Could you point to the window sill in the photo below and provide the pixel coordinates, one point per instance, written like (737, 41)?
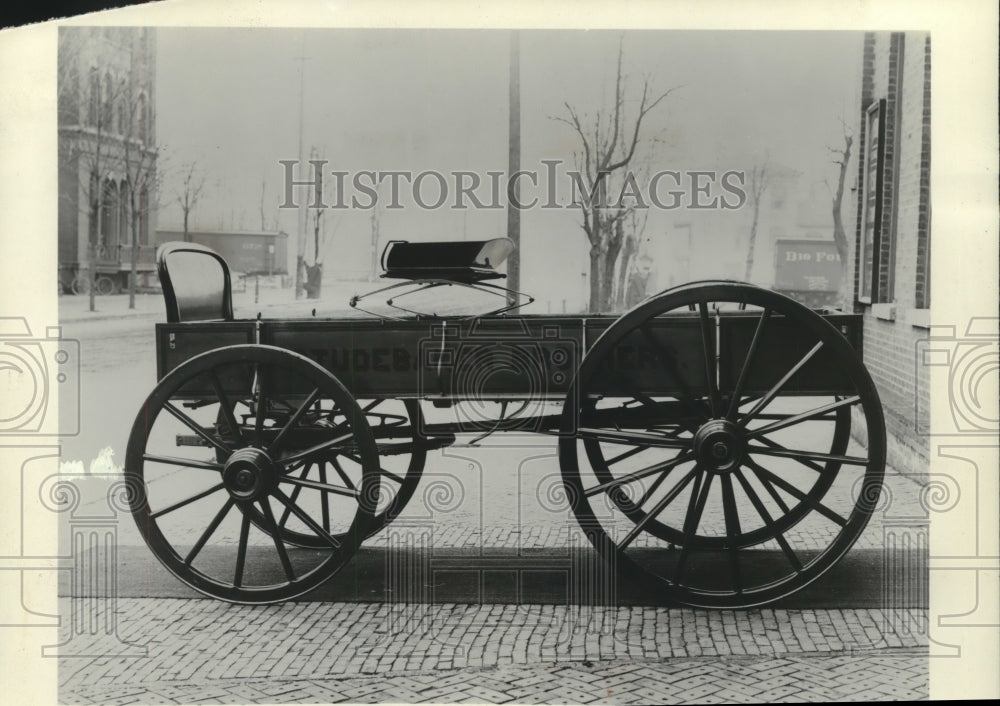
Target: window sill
(885, 311)
(919, 318)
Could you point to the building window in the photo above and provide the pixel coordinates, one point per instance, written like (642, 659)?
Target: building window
(871, 194)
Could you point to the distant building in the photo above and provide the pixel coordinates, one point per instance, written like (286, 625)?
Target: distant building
(107, 155)
(246, 252)
(890, 269)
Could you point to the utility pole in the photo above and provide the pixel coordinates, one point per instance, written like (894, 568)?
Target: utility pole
(513, 167)
(373, 271)
(300, 241)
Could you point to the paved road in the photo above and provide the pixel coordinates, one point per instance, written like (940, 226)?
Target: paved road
(199, 651)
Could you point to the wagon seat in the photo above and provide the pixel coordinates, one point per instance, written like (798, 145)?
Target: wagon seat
(196, 283)
(463, 261)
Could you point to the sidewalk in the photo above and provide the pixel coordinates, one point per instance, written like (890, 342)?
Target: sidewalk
(204, 651)
(271, 301)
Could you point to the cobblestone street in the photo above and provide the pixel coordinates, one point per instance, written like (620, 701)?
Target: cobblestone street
(208, 652)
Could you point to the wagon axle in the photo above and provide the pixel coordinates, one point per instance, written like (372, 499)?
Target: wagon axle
(719, 445)
(249, 474)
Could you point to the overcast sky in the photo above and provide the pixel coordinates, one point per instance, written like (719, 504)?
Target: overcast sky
(437, 100)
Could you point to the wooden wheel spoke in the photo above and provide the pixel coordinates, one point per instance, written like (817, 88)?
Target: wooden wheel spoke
(637, 475)
(275, 533)
(768, 521)
(313, 451)
(340, 472)
(636, 438)
(317, 485)
(732, 518)
(294, 496)
(696, 506)
(292, 421)
(196, 428)
(627, 454)
(778, 386)
(241, 553)
(324, 499)
(801, 496)
(735, 403)
(802, 417)
(184, 462)
(381, 471)
(658, 508)
(652, 489)
(227, 408)
(309, 522)
(805, 462)
(808, 455)
(212, 526)
(715, 402)
(186, 501)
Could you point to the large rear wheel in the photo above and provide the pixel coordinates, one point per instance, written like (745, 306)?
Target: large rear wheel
(711, 455)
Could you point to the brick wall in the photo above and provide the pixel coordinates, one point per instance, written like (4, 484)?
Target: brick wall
(896, 68)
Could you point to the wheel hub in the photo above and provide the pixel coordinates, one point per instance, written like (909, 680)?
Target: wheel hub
(719, 445)
(250, 474)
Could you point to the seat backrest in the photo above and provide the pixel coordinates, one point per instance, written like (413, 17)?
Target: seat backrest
(195, 281)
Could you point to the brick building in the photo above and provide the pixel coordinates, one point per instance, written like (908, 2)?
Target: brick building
(891, 259)
(107, 156)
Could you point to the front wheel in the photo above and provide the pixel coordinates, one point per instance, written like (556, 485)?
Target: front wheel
(210, 511)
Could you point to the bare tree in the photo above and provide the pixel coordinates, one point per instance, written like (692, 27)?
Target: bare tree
(189, 193)
(758, 185)
(625, 281)
(106, 144)
(842, 156)
(138, 162)
(608, 147)
(85, 116)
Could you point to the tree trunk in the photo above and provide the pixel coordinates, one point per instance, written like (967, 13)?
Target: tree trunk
(753, 241)
(596, 278)
(839, 236)
(133, 275)
(624, 271)
(91, 293)
(607, 286)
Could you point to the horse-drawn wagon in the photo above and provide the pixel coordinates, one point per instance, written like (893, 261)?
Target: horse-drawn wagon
(719, 443)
